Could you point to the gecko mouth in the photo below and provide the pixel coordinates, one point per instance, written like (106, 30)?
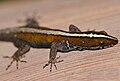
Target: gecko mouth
(103, 47)
(98, 47)
(107, 46)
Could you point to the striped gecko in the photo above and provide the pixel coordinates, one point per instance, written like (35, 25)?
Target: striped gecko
(32, 35)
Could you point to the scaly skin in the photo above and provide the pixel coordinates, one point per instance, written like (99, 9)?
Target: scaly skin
(32, 35)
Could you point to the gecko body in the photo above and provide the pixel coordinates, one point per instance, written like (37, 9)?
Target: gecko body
(34, 36)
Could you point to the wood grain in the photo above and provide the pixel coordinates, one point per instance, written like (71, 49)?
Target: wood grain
(101, 65)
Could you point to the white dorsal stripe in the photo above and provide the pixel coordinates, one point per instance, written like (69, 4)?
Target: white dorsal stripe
(54, 32)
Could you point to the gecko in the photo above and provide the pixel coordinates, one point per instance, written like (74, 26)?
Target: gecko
(32, 35)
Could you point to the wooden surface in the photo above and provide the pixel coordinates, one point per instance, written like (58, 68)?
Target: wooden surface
(101, 65)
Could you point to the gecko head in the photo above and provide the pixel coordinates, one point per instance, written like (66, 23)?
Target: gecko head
(105, 41)
(99, 40)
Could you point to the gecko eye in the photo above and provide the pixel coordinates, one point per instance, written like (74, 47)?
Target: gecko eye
(102, 43)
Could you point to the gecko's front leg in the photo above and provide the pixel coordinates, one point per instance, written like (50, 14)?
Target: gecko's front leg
(52, 57)
(22, 50)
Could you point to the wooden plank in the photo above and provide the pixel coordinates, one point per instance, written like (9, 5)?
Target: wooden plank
(101, 65)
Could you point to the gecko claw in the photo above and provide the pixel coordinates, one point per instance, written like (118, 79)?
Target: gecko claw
(53, 62)
(17, 59)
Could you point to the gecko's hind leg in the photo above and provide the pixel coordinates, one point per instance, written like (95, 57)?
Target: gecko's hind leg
(23, 49)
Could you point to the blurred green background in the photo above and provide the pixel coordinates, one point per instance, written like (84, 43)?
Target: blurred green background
(5, 0)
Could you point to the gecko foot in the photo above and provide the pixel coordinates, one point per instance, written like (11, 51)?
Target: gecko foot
(14, 58)
(53, 62)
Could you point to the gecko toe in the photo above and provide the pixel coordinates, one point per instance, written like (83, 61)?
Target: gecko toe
(14, 58)
(23, 61)
(6, 57)
(53, 62)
